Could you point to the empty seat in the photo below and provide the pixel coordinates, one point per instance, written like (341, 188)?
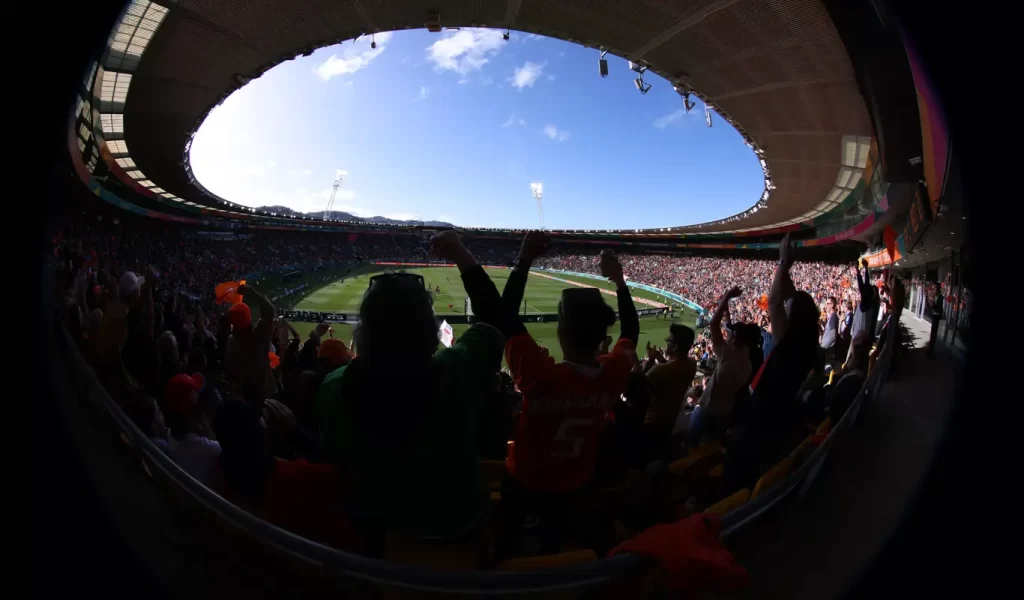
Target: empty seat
(729, 503)
(799, 455)
(695, 455)
(772, 476)
(548, 561)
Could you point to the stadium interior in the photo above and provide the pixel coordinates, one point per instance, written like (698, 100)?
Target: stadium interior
(282, 404)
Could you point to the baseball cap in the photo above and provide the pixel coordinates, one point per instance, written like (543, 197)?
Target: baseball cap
(183, 394)
(129, 284)
(239, 315)
(334, 352)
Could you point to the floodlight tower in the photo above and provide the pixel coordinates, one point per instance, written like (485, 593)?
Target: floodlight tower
(537, 190)
(339, 177)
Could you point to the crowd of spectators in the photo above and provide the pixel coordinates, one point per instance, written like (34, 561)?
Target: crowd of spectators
(360, 446)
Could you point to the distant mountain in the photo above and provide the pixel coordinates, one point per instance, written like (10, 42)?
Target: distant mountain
(344, 216)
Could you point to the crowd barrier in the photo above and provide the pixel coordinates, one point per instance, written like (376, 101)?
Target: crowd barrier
(312, 316)
(640, 286)
(310, 559)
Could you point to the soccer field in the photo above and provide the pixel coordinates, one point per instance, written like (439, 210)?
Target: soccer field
(542, 295)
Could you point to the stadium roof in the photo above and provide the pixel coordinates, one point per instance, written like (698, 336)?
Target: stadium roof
(776, 69)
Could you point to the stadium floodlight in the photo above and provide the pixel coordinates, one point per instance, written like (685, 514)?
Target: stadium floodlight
(537, 191)
(637, 67)
(505, 35)
(707, 114)
(602, 64)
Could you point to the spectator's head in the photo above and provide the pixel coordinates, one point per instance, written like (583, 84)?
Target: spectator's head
(583, 321)
(167, 349)
(831, 304)
(240, 317)
(333, 354)
(188, 408)
(396, 323)
(693, 395)
(128, 288)
(680, 339)
(245, 457)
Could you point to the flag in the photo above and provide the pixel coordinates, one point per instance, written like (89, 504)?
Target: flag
(889, 235)
(445, 334)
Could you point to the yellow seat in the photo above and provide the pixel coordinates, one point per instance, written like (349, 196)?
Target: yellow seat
(825, 426)
(677, 467)
(433, 554)
(729, 503)
(717, 471)
(772, 477)
(800, 453)
(548, 561)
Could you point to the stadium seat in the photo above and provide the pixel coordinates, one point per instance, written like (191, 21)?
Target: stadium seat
(717, 471)
(678, 467)
(435, 555)
(772, 476)
(548, 561)
(800, 453)
(825, 426)
(730, 503)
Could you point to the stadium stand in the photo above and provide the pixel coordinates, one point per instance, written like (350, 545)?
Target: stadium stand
(333, 463)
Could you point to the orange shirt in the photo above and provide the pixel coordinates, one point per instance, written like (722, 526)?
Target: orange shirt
(562, 414)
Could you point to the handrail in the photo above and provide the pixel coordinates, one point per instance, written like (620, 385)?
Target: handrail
(340, 563)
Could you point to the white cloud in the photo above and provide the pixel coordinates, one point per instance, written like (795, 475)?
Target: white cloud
(514, 120)
(424, 92)
(559, 135)
(271, 164)
(551, 77)
(299, 172)
(526, 75)
(465, 50)
(673, 117)
(487, 80)
(462, 81)
(354, 57)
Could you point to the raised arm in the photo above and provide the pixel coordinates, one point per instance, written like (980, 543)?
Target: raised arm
(479, 287)
(716, 319)
(265, 328)
(782, 290)
(534, 244)
(629, 322)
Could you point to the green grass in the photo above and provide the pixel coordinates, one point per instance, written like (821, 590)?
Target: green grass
(541, 296)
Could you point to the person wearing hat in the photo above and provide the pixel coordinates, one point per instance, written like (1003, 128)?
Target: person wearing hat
(246, 356)
(668, 383)
(400, 418)
(553, 454)
(189, 417)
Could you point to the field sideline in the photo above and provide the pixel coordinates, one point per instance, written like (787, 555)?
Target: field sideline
(542, 295)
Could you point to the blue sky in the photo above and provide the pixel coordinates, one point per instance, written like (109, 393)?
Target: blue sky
(455, 126)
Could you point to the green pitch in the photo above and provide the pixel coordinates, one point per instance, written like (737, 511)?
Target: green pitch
(542, 295)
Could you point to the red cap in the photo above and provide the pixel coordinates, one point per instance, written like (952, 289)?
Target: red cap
(183, 394)
(335, 352)
(240, 316)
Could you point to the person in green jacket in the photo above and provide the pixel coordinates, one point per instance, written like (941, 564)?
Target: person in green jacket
(401, 419)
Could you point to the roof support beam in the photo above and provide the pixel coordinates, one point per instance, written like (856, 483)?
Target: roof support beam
(681, 26)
